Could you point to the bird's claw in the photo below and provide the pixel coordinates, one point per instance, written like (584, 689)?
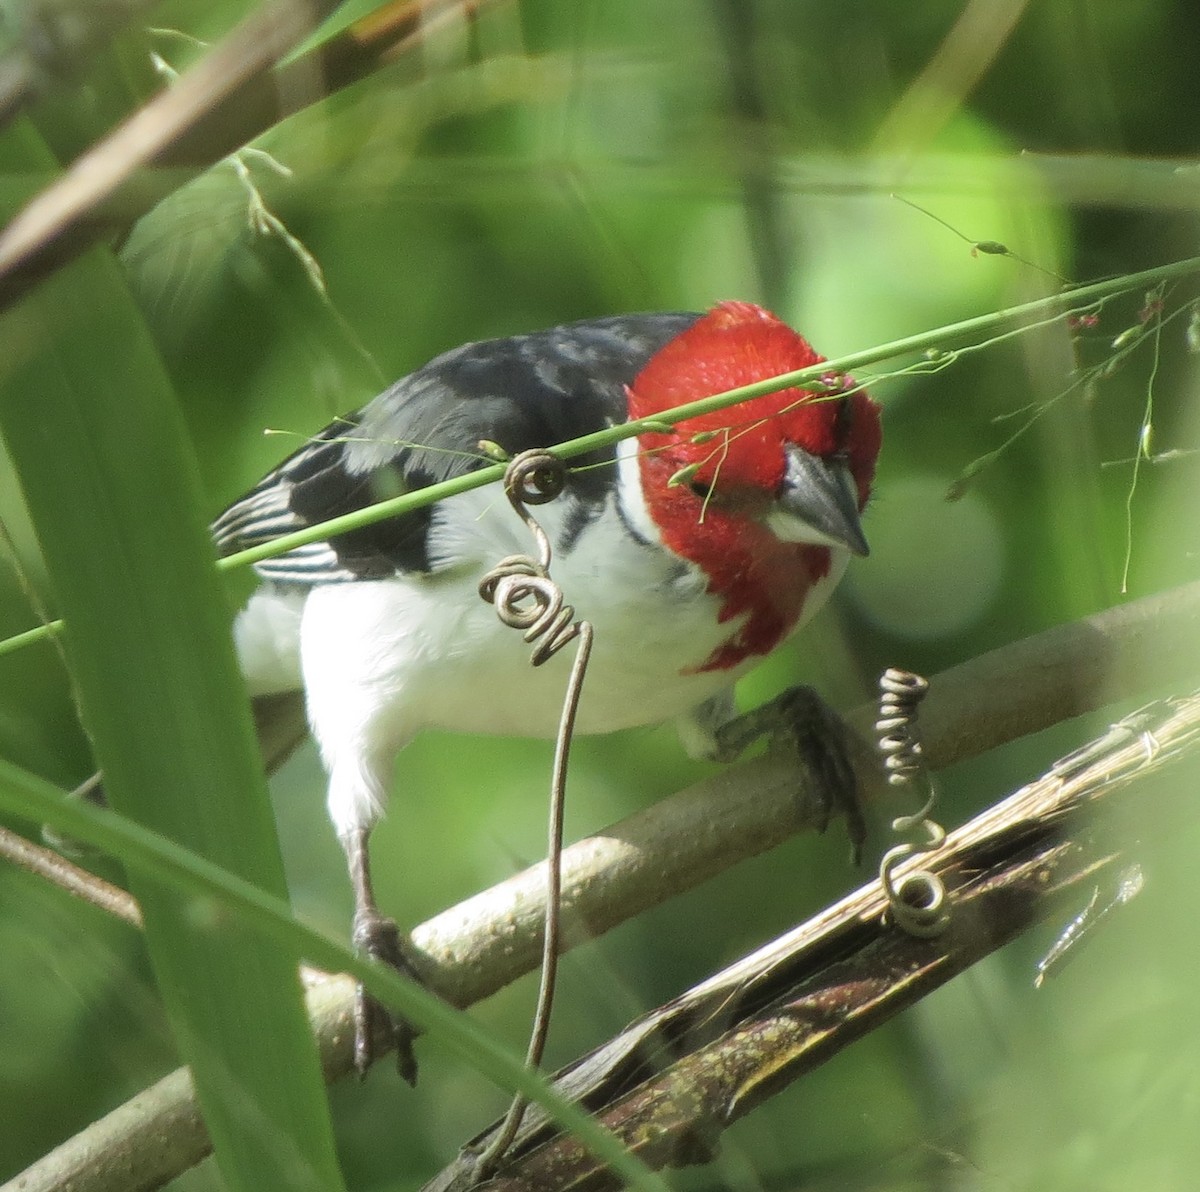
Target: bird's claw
(800, 721)
(375, 1027)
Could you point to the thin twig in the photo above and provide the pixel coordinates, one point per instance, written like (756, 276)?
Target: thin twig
(552, 941)
(527, 597)
(59, 223)
(400, 506)
(58, 871)
(234, 93)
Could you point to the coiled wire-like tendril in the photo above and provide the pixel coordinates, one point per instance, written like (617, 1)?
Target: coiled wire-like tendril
(918, 900)
(527, 598)
(520, 586)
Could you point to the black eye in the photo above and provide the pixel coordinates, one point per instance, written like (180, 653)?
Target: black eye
(701, 488)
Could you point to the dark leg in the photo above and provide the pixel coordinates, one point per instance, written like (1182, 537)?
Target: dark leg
(376, 936)
(800, 720)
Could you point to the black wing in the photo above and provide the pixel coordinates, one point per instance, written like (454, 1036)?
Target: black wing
(521, 392)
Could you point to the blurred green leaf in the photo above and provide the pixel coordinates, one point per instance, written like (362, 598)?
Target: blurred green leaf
(345, 15)
(98, 444)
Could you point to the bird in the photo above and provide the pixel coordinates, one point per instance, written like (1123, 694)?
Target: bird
(694, 551)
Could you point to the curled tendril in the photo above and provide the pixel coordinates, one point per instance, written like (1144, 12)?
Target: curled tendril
(918, 901)
(534, 478)
(900, 694)
(520, 586)
(527, 598)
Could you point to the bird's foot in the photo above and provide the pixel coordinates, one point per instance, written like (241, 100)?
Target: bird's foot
(800, 721)
(376, 1028)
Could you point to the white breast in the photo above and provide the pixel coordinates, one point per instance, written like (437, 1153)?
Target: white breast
(430, 653)
(383, 659)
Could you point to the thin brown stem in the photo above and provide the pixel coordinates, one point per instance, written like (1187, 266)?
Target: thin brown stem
(58, 871)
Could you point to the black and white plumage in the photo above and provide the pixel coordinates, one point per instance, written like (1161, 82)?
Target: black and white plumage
(524, 391)
(686, 585)
(382, 627)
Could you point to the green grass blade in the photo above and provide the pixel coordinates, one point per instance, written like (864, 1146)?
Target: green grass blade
(99, 448)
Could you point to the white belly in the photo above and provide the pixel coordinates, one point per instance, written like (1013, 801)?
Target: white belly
(437, 652)
(425, 651)
(381, 660)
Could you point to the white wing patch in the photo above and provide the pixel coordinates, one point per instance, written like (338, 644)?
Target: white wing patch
(264, 515)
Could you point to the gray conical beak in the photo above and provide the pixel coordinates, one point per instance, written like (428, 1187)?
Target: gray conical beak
(818, 503)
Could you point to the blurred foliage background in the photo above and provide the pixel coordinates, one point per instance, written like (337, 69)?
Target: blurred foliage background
(543, 161)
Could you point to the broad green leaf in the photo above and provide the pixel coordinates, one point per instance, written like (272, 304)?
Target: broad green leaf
(98, 445)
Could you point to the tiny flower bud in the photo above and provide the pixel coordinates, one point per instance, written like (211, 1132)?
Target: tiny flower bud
(493, 451)
(685, 475)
